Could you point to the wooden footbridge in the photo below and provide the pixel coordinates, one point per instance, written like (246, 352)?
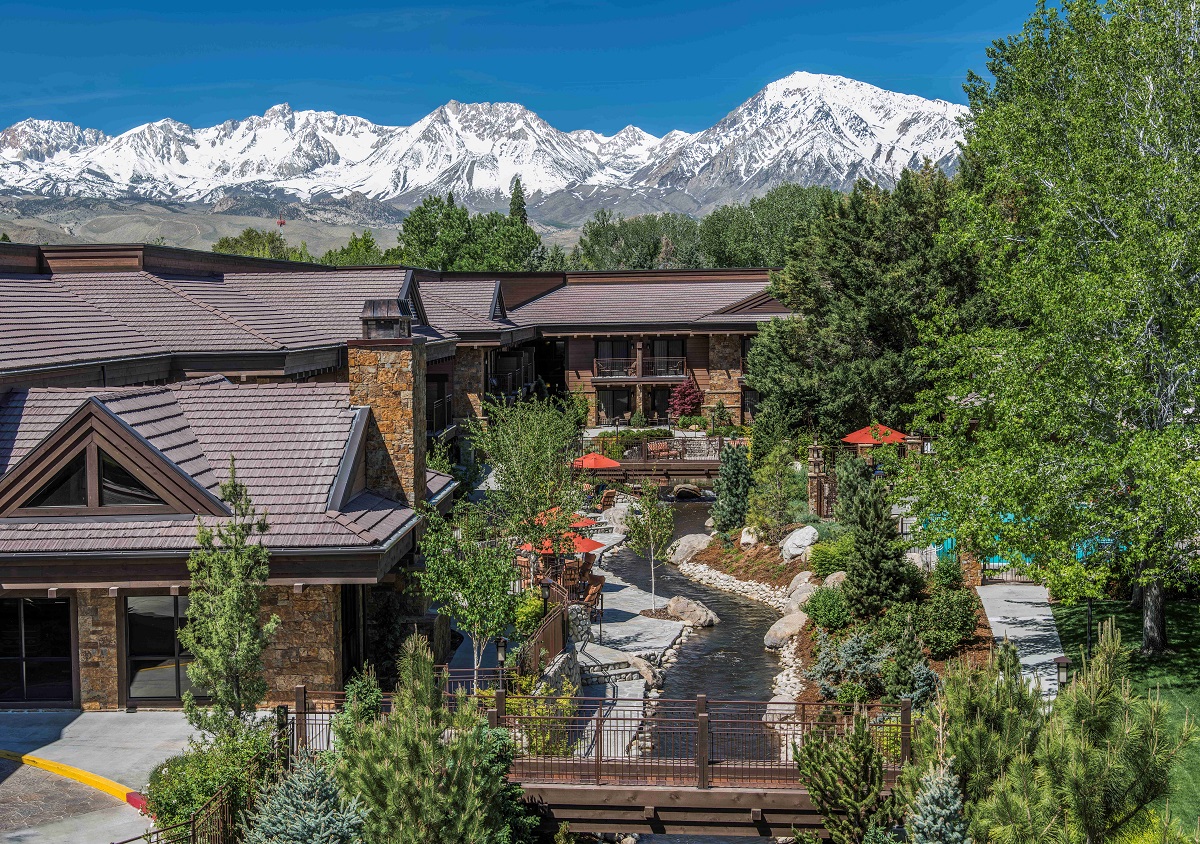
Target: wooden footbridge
(692, 767)
(674, 458)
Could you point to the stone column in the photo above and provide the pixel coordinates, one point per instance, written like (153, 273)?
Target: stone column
(469, 386)
(724, 370)
(389, 377)
(99, 657)
(307, 647)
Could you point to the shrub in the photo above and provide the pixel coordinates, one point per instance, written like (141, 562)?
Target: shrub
(364, 702)
(637, 420)
(529, 613)
(306, 807)
(853, 660)
(906, 673)
(947, 619)
(687, 421)
(946, 574)
(185, 782)
(828, 609)
(852, 692)
(829, 556)
(719, 415)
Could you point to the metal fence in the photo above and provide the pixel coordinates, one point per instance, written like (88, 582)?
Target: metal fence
(655, 450)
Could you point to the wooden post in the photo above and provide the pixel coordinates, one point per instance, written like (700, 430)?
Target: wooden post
(501, 696)
(301, 717)
(905, 730)
(599, 741)
(492, 719)
(702, 772)
(283, 747)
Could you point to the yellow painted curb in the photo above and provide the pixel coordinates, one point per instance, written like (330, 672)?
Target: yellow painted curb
(78, 775)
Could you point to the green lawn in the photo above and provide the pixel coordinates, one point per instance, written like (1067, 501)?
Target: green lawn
(1177, 675)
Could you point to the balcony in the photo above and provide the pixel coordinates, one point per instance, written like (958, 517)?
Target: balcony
(438, 416)
(630, 369)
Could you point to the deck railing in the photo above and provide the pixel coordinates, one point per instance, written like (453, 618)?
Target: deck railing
(656, 450)
(614, 367)
(664, 367)
(649, 367)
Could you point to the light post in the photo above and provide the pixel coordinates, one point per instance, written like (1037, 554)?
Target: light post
(501, 652)
(1063, 666)
(545, 595)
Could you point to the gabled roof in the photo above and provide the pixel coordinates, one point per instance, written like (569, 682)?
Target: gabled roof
(289, 442)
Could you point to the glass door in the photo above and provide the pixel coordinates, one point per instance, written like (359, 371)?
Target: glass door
(35, 650)
(157, 662)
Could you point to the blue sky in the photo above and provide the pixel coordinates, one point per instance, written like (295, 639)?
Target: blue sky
(597, 65)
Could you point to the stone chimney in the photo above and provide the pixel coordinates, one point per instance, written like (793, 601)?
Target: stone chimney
(387, 374)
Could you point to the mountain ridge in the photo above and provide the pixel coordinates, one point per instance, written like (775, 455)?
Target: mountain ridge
(806, 128)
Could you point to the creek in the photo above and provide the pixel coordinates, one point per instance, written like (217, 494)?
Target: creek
(726, 661)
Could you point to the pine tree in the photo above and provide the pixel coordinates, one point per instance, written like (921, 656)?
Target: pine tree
(877, 574)
(907, 672)
(516, 203)
(431, 772)
(732, 488)
(306, 807)
(844, 778)
(937, 813)
(778, 491)
(224, 632)
(4, 238)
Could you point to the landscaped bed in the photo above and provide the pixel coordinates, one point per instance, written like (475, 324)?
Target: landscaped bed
(1175, 675)
(761, 563)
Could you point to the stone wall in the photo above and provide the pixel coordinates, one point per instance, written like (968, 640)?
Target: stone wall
(724, 369)
(307, 646)
(469, 387)
(389, 377)
(99, 657)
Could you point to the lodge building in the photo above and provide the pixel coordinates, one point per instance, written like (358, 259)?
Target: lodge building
(131, 376)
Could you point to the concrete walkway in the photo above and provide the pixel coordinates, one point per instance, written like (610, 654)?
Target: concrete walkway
(625, 629)
(1021, 613)
(121, 746)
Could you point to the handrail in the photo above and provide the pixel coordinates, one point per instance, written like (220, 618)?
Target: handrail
(614, 367)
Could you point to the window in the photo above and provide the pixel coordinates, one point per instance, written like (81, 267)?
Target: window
(613, 404)
(68, 488)
(35, 650)
(660, 398)
(666, 358)
(750, 401)
(612, 349)
(157, 663)
(115, 486)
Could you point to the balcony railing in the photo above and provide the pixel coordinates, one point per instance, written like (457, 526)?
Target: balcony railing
(651, 367)
(437, 415)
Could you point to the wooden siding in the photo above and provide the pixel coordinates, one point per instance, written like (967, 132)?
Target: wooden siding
(21, 258)
(581, 352)
(697, 358)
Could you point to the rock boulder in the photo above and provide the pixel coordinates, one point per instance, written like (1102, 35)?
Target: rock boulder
(687, 492)
(749, 537)
(798, 542)
(784, 629)
(835, 579)
(687, 546)
(616, 517)
(797, 600)
(801, 579)
(780, 708)
(692, 612)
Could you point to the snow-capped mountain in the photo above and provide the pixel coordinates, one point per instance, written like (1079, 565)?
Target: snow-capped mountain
(806, 128)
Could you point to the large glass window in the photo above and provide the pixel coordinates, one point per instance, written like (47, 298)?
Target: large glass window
(115, 487)
(68, 488)
(119, 487)
(35, 649)
(613, 349)
(157, 663)
(666, 358)
(614, 404)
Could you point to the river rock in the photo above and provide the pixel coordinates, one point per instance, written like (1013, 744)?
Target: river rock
(798, 542)
(835, 579)
(687, 546)
(801, 579)
(784, 629)
(797, 600)
(616, 516)
(688, 492)
(780, 708)
(749, 537)
(691, 612)
(710, 523)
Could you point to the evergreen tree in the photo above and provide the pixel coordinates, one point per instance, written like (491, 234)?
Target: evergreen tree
(225, 633)
(516, 203)
(777, 498)
(732, 488)
(261, 243)
(906, 672)
(306, 807)
(777, 368)
(4, 238)
(361, 251)
(432, 772)
(877, 573)
(844, 779)
(936, 816)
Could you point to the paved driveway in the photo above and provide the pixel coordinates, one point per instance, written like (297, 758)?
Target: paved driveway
(1021, 613)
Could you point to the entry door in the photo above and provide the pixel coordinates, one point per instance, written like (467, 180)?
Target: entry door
(157, 663)
(35, 650)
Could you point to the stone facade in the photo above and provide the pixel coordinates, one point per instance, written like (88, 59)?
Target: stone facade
(724, 370)
(389, 377)
(99, 655)
(469, 387)
(307, 646)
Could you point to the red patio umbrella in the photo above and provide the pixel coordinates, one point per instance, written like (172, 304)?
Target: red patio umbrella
(581, 521)
(595, 460)
(582, 545)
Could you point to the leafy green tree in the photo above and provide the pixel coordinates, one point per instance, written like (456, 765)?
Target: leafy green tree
(936, 816)
(777, 497)
(611, 241)
(468, 574)
(306, 807)
(428, 771)
(777, 367)
(649, 531)
(1080, 197)
(529, 446)
(759, 233)
(260, 243)
(225, 632)
(1103, 757)
(732, 488)
(432, 235)
(441, 235)
(844, 778)
(877, 573)
(361, 251)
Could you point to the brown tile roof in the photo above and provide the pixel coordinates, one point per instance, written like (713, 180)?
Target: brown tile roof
(42, 323)
(288, 441)
(458, 305)
(651, 303)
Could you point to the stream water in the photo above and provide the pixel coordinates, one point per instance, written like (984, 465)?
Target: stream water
(726, 661)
